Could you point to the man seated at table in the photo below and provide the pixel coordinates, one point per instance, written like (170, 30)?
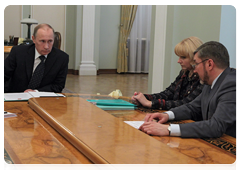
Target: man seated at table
(214, 110)
(37, 66)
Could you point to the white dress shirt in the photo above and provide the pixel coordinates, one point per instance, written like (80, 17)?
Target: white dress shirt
(37, 60)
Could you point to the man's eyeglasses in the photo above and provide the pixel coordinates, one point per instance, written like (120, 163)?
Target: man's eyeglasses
(195, 64)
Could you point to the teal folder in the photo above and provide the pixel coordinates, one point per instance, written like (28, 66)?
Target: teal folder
(113, 104)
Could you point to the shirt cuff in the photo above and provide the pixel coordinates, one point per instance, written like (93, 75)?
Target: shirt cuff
(175, 130)
(171, 115)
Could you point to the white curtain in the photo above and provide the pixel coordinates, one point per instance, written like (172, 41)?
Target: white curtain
(139, 41)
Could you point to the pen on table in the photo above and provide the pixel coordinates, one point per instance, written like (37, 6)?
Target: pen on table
(5, 112)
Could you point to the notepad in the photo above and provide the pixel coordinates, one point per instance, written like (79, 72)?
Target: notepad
(28, 95)
(113, 104)
(135, 124)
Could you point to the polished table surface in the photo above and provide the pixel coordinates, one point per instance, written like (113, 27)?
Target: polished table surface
(29, 139)
(7, 49)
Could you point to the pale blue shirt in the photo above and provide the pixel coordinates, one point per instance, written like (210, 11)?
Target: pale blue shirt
(175, 128)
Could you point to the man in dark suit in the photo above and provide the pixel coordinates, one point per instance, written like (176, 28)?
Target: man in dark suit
(214, 110)
(38, 66)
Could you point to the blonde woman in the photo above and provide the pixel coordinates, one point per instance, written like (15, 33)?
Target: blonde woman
(186, 86)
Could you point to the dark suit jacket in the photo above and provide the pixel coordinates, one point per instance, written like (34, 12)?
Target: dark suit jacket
(18, 68)
(214, 110)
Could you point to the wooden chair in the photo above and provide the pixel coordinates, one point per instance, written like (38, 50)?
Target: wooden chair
(57, 40)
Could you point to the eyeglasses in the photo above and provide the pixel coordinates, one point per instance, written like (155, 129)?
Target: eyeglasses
(194, 65)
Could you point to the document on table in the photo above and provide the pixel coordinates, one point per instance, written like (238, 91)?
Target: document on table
(46, 94)
(28, 95)
(16, 96)
(8, 114)
(135, 124)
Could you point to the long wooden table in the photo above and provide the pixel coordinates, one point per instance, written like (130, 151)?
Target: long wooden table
(7, 50)
(29, 139)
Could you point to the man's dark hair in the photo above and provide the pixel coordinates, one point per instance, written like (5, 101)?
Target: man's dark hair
(215, 51)
(41, 26)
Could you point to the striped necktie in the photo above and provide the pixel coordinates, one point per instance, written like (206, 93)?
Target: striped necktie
(37, 75)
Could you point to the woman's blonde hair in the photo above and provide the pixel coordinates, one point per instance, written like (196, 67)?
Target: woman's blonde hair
(187, 47)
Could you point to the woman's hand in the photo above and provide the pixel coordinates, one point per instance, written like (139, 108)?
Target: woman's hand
(139, 98)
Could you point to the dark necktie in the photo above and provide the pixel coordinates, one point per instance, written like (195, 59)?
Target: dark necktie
(37, 75)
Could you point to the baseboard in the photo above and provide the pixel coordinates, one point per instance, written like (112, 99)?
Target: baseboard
(74, 72)
(106, 71)
(99, 71)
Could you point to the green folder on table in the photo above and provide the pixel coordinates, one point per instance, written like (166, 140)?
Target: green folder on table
(113, 104)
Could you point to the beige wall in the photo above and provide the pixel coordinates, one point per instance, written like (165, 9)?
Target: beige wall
(70, 49)
(184, 21)
(12, 17)
(42, 13)
(208, 22)
(109, 33)
(53, 15)
(67, 20)
(107, 20)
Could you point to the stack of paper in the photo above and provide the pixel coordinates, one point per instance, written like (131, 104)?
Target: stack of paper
(113, 104)
(28, 95)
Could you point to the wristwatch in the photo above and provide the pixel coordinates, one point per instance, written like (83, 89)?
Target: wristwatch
(169, 129)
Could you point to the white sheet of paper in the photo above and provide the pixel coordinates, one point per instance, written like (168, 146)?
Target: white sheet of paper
(45, 94)
(28, 95)
(8, 114)
(16, 96)
(135, 124)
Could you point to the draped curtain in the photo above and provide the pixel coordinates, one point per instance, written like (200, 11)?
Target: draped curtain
(128, 13)
(139, 40)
